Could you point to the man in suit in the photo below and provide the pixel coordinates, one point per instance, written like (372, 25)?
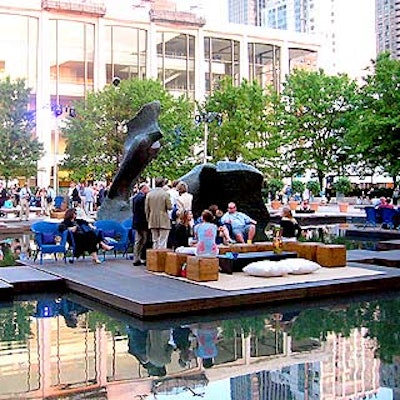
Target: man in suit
(139, 223)
(157, 204)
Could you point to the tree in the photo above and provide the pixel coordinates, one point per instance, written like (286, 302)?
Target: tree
(376, 134)
(96, 136)
(20, 150)
(248, 129)
(315, 114)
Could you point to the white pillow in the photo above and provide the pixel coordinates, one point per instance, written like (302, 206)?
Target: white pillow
(266, 268)
(186, 250)
(299, 266)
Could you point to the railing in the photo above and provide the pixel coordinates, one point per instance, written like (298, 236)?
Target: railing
(88, 7)
(182, 17)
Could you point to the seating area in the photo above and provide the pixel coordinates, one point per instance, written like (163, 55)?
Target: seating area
(115, 234)
(49, 240)
(234, 257)
(384, 218)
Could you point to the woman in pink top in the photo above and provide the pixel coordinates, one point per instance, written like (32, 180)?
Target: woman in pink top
(206, 233)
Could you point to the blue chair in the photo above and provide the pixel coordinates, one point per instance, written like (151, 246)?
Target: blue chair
(127, 224)
(370, 220)
(387, 217)
(58, 200)
(115, 234)
(45, 234)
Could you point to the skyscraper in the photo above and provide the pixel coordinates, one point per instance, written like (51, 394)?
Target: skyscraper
(388, 26)
(348, 41)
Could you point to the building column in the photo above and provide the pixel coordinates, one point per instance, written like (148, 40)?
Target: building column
(152, 57)
(200, 71)
(244, 58)
(285, 62)
(43, 106)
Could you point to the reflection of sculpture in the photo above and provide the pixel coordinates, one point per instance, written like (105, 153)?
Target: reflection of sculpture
(229, 181)
(141, 146)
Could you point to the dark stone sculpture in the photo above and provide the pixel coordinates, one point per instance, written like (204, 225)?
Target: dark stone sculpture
(229, 181)
(141, 146)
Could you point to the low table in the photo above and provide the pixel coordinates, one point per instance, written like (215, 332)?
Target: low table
(229, 264)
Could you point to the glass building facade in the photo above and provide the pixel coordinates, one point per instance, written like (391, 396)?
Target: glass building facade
(63, 49)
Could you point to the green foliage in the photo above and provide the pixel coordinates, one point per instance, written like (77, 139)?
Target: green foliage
(20, 151)
(343, 185)
(246, 326)
(315, 114)
(15, 322)
(96, 319)
(274, 185)
(248, 131)
(96, 136)
(313, 186)
(297, 186)
(376, 134)
(8, 259)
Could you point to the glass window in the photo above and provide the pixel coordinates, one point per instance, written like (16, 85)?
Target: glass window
(264, 64)
(222, 58)
(71, 59)
(302, 59)
(126, 52)
(176, 66)
(19, 48)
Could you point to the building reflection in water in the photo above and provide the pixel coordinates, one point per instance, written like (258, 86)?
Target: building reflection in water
(54, 347)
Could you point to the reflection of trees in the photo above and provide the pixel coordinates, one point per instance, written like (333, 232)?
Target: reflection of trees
(247, 326)
(95, 319)
(381, 318)
(15, 322)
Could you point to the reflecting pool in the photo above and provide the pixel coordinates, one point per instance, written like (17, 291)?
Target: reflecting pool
(65, 347)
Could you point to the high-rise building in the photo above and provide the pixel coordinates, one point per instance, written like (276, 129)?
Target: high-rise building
(388, 27)
(346, 28)
(247, 12)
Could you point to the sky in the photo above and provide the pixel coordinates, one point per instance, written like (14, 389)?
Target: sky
(213, 9)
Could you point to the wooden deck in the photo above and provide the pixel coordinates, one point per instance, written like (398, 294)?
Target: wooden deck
(133, 290)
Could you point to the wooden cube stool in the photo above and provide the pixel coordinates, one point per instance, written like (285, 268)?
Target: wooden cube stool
(155, 259)
(173, 263)
(202, 269)
(307, 250)
(331, 255)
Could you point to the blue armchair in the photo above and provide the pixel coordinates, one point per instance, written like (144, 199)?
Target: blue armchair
(45, 234)
(127, 224)
(116, 235)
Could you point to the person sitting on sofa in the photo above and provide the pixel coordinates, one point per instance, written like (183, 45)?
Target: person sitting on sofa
(242, 225)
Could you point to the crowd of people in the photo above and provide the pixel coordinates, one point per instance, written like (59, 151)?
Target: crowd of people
(163, 215)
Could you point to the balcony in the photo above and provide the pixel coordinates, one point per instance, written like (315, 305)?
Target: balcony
(176, 17)
(88, 7)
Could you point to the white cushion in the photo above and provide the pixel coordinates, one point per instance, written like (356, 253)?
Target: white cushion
(295, 266)
(266, 268)
(186, 250)
(299, 266)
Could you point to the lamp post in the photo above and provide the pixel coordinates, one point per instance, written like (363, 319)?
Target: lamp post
(206, 118)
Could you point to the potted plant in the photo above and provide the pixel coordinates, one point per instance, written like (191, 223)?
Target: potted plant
(314, 187)
(342, 187)
(297, 187)
(274, 186)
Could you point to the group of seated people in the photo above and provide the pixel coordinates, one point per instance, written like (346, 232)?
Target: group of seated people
(212, 228)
